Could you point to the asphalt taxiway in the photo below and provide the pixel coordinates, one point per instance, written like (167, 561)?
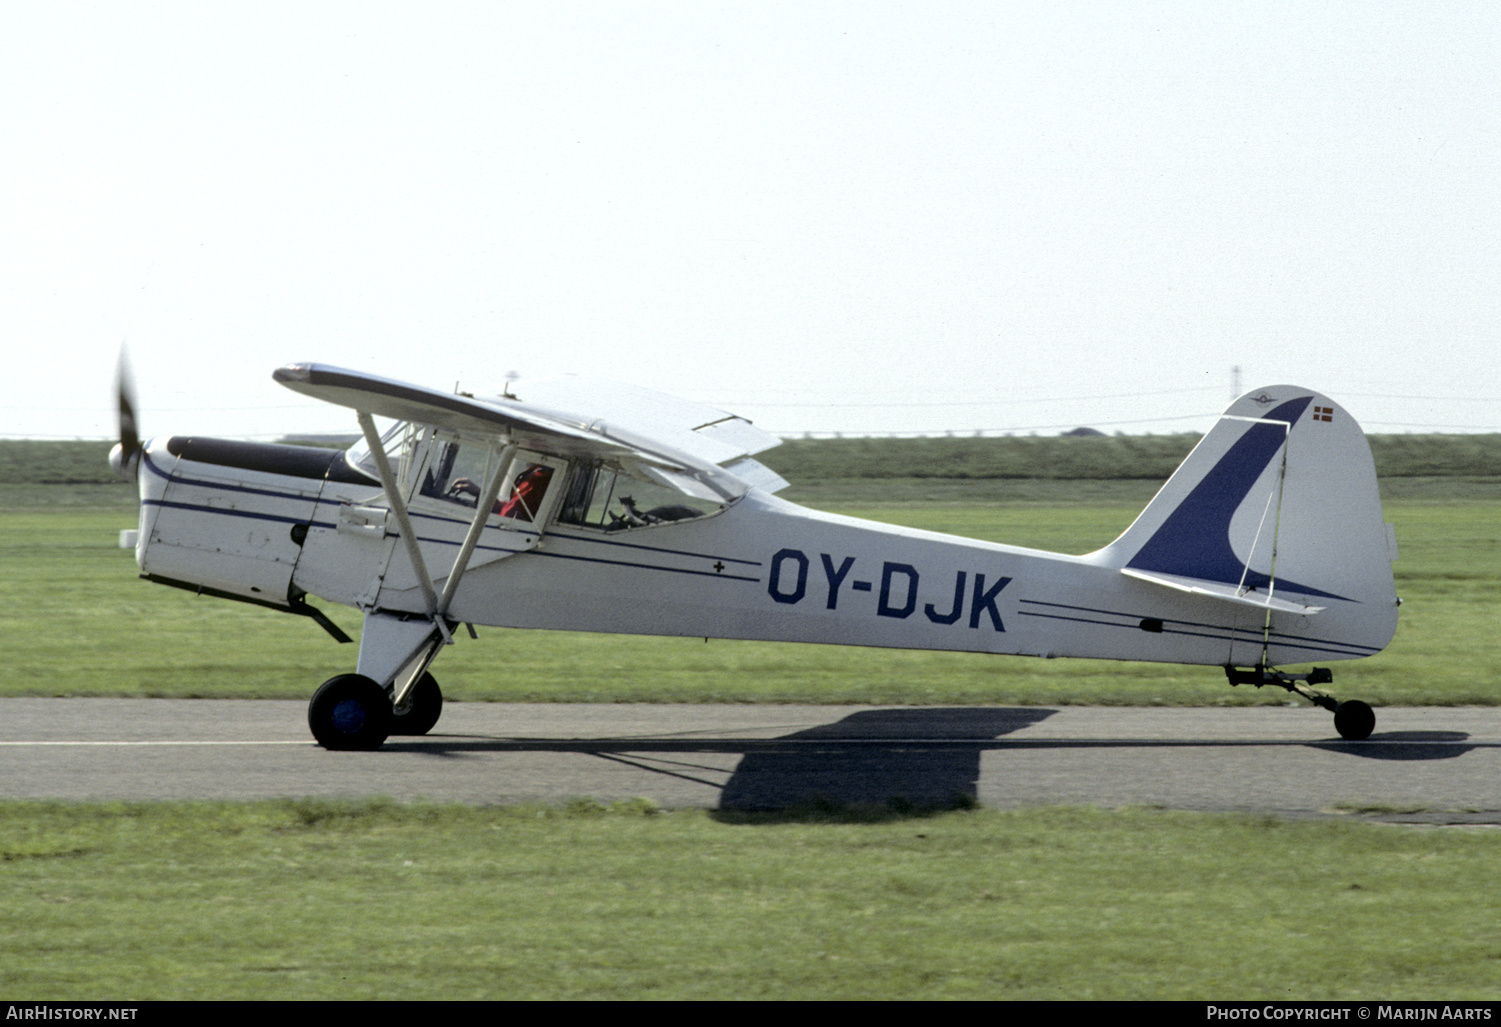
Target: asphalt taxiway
(1429, 764)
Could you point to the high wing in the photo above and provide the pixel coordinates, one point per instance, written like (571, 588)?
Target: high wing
(699, 450)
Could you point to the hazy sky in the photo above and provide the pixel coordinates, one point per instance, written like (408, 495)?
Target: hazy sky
(825, 216)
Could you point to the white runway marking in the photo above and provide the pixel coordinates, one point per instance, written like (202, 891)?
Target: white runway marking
(289, 741)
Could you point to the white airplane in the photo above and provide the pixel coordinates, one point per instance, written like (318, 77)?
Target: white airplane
(585, 506)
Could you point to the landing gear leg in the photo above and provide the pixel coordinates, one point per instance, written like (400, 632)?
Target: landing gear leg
(1353, 719)
(423, 706)
(391, 694)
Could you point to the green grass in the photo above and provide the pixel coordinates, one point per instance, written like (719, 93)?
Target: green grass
(77, 621)
(307, 899)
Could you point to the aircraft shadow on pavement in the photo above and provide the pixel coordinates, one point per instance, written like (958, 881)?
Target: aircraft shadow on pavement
(910, 771)
(918, 759)
(877, 758)
(915, 760)
(1413, 745)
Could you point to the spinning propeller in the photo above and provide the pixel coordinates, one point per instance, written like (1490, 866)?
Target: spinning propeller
(125, 458)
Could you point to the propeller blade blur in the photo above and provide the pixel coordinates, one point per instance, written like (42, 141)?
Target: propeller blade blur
(125, 457)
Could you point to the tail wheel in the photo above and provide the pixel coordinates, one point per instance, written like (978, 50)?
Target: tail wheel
(350, 712)
(1354, 720)
(424, 707)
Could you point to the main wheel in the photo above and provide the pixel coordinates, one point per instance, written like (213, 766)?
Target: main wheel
(1354, 720)
(424, 707)
(349, 711)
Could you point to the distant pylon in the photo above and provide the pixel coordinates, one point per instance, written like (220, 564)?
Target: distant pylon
(1235, 382)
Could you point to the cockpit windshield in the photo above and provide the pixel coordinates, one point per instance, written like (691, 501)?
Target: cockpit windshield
(391, 440)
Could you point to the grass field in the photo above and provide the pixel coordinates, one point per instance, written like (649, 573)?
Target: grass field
(77, 621)
(968, 459)
(302, 899)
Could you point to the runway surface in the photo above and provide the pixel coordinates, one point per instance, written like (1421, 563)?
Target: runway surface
(1423, 764)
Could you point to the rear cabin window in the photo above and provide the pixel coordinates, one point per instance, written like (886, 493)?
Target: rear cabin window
(607, 497)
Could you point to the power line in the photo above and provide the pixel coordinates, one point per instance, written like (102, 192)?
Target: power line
(971, 432)
(1436, 399)
(1002, 401)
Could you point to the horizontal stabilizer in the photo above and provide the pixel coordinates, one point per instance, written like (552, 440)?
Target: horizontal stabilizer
(1222, 591)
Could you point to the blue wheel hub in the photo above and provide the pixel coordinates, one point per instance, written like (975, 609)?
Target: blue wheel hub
(349, 716)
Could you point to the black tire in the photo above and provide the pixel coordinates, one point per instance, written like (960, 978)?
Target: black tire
(1354, 720)
(423, 711)
(350, 712)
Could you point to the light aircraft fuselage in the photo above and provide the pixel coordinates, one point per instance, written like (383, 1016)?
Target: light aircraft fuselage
(1267, 547)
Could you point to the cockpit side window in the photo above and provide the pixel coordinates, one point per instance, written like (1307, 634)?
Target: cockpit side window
(457, 472)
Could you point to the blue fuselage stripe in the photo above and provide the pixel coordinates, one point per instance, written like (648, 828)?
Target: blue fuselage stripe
(314, 503)
(1193, 629)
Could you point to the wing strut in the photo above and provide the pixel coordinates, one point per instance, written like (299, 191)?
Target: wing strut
(393, 496)
(476, 527)
(410, 669)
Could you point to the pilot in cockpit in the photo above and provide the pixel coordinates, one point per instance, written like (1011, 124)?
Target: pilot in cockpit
(526, 496)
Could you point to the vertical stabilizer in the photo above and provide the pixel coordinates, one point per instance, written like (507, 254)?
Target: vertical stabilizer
(1278, 505)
